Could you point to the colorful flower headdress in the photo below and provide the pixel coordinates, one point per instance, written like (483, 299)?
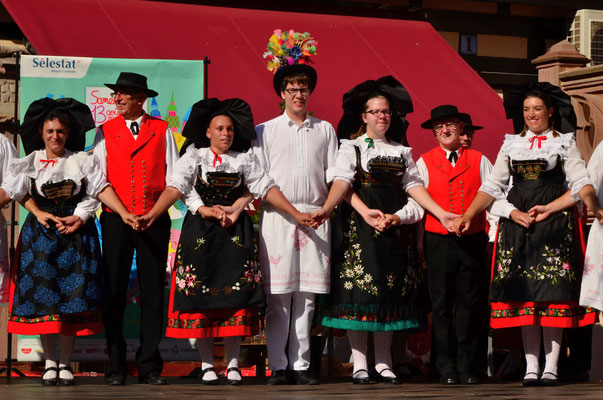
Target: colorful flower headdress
(288, 48)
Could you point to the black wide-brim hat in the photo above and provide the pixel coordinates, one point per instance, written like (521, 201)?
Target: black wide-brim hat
(80, 117)
(564, 117)
(466, 118)
(204, 111)
(287, 70)
(441, 112)
(354, 100)
(134, 81)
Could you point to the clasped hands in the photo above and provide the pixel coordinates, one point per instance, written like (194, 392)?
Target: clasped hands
(65, 225)
(534, 215)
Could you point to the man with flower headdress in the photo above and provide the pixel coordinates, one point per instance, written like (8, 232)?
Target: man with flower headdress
(137, 152)
(298, 152)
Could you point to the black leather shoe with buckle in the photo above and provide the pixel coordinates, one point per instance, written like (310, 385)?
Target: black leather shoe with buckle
(153, 378)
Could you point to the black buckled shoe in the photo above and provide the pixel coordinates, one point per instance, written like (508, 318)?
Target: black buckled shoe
(153, 378)
(468, 378)
(65, 382)
(278, 377)
(211, 382)
(387, 379)
(234, 382)
(361, 381)
(449, 379)
(549, 381)
(53, 381)
(304, 378)
(530, 379)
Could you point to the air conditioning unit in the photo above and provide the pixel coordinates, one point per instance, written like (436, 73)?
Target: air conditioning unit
(586, 34)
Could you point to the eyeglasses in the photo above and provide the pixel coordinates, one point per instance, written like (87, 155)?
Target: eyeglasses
(122, 94)
(449, 125)
(294, 91)
(377, 113)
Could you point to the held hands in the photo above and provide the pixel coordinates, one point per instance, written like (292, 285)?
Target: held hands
(211, 212)
(132, 220)
(44, 217)
(538, 213)
(522, 218)
(68, 225)
(388, 221)
(230, 215)
(306, 219)
(320, 216)
(447, 219)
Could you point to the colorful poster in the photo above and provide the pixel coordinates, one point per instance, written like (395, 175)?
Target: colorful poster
(180, 84)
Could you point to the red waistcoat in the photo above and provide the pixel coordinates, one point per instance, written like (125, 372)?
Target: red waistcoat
(453, 188)
(136, 168)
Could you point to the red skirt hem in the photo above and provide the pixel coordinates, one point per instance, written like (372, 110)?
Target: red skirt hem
(559, 315)
(213, 323)
(51, 327)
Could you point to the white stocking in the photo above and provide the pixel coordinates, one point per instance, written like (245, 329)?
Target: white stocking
(49, 346)
(66, 343)
(358, 341)
(206, 349)
(383, 346)
(233, 348)
(531, 346)
(552, 347)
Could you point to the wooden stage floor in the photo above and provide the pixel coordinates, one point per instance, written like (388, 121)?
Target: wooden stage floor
(255, 388)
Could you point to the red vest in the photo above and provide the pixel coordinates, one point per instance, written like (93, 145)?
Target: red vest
(453, 188)
(136, 168)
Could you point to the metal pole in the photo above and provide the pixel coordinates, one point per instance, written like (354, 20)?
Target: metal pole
(206, 62)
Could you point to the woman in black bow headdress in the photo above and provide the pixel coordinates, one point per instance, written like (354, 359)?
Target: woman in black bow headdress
(58, 263)
(216, 288)
(538, 258)
(375, 277)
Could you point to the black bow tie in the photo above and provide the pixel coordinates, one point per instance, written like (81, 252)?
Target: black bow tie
(453, 157)
(134, 128)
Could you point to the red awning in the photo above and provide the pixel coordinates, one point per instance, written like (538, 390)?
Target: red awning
(350, 50)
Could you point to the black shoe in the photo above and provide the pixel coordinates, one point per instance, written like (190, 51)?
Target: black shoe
(387, 379)
(65, 382)
(278, 377)
(549, 381)
(449, 379)
(211, 382)
(304, 378)
(361, 381)
(234, 382)
(153, 378)
(115, 379)
(530, 379)
(467, 378)
(53, 381)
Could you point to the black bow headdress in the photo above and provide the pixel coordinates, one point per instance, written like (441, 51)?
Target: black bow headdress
(80, 117)
(564, 117)
(204, 111)
(355, 99)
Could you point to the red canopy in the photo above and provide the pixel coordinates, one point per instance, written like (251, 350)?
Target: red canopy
(350, 50)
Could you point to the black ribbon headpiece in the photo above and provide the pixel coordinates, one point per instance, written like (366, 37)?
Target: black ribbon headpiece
(80, 117)
(204, 111)
(355, 99)
(564, 117)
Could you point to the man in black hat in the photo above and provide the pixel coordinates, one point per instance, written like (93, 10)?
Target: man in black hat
(468, 130)
(452, 177)
(137, 152)
(297, 151)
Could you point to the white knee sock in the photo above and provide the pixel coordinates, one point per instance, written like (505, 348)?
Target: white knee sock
(531, 346)
(233, 348)
(49, 347)
(66, 345)
(383, 346)
(552, 347)
(358, 341)
(206, 349)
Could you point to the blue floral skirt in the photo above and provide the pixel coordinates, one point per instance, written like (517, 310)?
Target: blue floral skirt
(55, 281)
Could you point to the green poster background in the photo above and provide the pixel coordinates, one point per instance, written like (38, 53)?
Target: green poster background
(180, 83)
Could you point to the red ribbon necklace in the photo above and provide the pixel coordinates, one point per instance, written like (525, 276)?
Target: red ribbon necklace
(48, 162)
(216, 158)
(533, 139)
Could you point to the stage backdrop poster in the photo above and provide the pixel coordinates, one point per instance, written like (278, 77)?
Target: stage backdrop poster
(180, 84)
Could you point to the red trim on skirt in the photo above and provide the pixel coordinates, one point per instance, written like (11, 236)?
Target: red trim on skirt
(213, 323)
(63, 324)
(560, 315)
